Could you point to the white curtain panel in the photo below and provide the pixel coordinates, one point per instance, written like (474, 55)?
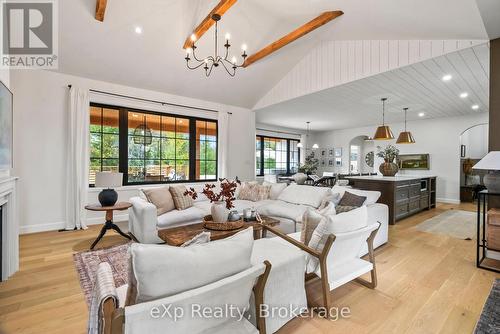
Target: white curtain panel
(224, 119)
(77, 166)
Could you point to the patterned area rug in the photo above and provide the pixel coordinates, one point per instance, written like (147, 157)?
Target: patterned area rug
(87, 262)
(489, 322)
(454, 223)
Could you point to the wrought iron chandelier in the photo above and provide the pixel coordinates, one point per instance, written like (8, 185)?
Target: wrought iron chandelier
(210, 62)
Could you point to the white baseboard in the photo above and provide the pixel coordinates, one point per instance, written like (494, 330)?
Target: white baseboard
(61, 225)
(448, 200)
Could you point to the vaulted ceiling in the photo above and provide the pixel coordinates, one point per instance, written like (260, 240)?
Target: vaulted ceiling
(112, 51)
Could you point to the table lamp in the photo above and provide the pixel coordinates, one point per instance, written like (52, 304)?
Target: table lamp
(108, 180)
(491, 163)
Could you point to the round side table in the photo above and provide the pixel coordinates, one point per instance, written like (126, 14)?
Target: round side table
(109, 225)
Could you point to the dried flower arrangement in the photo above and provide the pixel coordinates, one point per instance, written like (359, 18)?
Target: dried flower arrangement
(226, 193)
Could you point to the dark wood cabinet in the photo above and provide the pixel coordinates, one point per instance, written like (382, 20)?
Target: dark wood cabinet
(404, 196)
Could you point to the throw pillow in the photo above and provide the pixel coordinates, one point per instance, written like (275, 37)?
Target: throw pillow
(181, 202)
(161, 198)
(254, 192)
(276, 189)
(311, 219)
(349, 199)
(342, 209)
(333, 198)
(161, 271)
(199, 239)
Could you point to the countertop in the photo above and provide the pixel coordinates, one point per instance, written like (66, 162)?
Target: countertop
(390, 178)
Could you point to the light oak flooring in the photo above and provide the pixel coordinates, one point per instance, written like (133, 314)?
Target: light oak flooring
(427, 284)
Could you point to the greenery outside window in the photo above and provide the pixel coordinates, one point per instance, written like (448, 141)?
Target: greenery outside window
(149, 147)
(276, 155)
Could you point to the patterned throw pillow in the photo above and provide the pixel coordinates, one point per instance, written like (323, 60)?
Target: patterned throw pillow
(311, 219)
(254, 192)
(343, 208)
(181, 202)
(349, 199)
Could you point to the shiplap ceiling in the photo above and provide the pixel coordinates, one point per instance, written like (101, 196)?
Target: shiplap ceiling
(419, 87)
(112, 51)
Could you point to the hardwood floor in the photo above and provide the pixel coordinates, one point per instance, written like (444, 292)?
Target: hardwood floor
(428, 283)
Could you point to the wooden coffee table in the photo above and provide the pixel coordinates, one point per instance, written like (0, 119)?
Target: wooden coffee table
(176, 236)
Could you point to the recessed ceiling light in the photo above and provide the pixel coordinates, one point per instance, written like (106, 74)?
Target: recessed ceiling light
(464, 95)
(475, 107)
(421, 114)
(138, 30)
(446, 77)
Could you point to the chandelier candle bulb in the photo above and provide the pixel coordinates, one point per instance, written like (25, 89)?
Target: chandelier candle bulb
(193, 38)
(228, 36)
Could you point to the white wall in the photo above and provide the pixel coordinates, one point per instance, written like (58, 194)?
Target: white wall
(439, 137)
(40, 107)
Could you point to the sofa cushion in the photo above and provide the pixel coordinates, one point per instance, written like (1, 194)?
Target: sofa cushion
(331, 197)
(161, 198)
(371, 196)
(343, 208)
(181, 202)
(276, 189)
(306, 195)
(350, 199)
(162, 271)
(282, 209)
(179, 217)
(311, 219)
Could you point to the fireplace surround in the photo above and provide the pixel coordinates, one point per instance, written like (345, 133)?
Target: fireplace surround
(10, 227)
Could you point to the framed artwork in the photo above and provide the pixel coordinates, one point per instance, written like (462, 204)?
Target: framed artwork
(338, 162)
(323, 162)
(323, 152)
(338, 152)
(331, 152)
(330, 162)
(6, 127)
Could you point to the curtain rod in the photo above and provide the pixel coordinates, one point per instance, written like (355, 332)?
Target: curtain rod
(276, 131)
(152, 101)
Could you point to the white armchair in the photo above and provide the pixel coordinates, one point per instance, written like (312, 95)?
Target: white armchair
(339, 261)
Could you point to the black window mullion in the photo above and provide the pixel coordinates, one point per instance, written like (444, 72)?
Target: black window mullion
(123, 144)
(192, 149)
(288, 156)
(261, 155)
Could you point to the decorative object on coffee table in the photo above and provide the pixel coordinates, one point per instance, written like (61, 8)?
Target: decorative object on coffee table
(210, 224)
(491, 163)
(108, 180)
(176, 236)
(222, 202)
(109, 225)
(389, 154)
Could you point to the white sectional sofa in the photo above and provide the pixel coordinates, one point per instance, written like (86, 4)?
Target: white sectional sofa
(287, 204)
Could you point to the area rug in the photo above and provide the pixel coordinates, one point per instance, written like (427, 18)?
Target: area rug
(489, 321)
(87, 262)
(454, 223)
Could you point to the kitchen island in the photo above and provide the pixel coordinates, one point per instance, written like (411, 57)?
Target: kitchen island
(404, 195)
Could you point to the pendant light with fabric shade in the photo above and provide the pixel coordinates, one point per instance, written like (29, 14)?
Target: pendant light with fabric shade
(405, 137)
(384, 131)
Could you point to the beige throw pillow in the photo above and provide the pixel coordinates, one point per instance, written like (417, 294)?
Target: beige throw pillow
(181, 202)
(161, 198)
(254, 192)
(311, 219)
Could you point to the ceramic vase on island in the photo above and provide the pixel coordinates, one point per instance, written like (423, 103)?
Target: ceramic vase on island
(388, 168)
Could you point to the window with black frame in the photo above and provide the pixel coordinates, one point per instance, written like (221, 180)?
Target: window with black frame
(276, 155)
(151, 147)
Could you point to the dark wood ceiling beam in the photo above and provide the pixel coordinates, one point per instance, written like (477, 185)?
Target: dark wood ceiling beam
(294, 35)
(100, 9)
(221, 8)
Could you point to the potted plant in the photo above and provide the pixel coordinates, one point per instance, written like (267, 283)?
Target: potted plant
(222, 201)
(389, 154)
(310, 165)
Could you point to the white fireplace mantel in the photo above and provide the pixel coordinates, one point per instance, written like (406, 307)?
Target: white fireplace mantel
(10, 226)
